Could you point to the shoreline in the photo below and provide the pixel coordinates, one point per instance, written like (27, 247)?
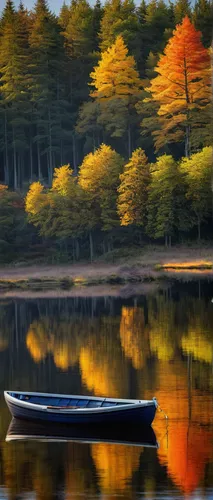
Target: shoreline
(150, 265)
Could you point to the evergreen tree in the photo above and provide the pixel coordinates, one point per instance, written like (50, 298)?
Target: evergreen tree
(64, 16)
(198, 175)
(79, 42)
(182, 9)
(99, 177)
(165, 205)
(97, 15)
(120, 18)
(158, 20)
(202, 19)
(117, 88)
(47, 88)
(133, 190)
(14, 82)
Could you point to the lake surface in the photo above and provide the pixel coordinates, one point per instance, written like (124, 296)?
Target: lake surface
(159, 344)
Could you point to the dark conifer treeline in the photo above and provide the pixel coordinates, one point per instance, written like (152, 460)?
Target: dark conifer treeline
(47, 117)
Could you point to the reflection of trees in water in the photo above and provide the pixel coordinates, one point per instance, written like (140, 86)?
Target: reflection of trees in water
(79, 471)
(115, 465)
(60, 338)
(31, 467)
(163, 328)
(134, 336)
(103, 368)
(185, 453)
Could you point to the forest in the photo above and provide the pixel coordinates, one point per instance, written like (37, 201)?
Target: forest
(105, 126)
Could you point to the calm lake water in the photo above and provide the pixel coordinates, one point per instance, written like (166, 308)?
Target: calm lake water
(159, 344)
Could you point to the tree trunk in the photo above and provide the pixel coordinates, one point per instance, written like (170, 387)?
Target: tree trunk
(77, 249)
(6, 167)
(39, 160)
(187, 141)
(198, 228)
(91, 246)
(50, 148)
(166, 241)
(15, 179)
(187, 133)
(61, 152)
(31, 160)
(74, 154)
(129, 141)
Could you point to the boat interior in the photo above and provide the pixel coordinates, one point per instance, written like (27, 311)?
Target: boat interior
(59, 402)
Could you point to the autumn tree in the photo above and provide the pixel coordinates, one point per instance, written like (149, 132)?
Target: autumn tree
(197, 171)
(99, 178)
(182, 85)
(117, 85)
(133, 190)
(60, 211)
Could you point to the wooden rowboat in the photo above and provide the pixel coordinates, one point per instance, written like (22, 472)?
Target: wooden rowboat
(72, 409)
(136, 435)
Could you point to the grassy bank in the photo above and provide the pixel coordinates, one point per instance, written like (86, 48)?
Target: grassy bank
(138, 266)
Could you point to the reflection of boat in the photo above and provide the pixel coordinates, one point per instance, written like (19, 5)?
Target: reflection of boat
(79, 409)
(138, 435)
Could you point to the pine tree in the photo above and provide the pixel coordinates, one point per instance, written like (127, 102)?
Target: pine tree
(181, 10)
(198, 173)
(117, 82)
(99, 178)
(79, 43)
(64, 16)
(133, 190)
(97, 15)
(120, 18)
(163, 199)
(202, 19)
(47, 89)
(14, 64)
(182, 85)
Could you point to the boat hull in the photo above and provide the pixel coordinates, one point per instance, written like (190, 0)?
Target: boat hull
(139, 414)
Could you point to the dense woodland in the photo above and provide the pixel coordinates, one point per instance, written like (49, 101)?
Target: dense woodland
(105, 125)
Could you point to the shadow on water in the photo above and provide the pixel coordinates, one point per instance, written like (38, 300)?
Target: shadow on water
(159, 344)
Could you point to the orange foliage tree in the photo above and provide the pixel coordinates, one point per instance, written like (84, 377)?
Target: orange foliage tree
(182, 86)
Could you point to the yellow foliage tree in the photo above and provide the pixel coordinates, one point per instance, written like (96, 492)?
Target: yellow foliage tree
(116, 79)
(99, 178)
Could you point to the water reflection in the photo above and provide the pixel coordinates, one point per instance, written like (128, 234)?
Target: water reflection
(158, 345)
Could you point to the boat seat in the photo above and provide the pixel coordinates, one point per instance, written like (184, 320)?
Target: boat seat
(62, 407)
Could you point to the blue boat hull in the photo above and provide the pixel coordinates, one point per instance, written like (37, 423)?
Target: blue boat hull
(143, 415)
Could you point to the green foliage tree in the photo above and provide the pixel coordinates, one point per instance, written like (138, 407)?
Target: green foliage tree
(120, 18)
(47, 87)
(99, 178)
(202, 19)
(133, 190)
(181, 9)
(14, 103)
(197, 171)
(165, 204)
